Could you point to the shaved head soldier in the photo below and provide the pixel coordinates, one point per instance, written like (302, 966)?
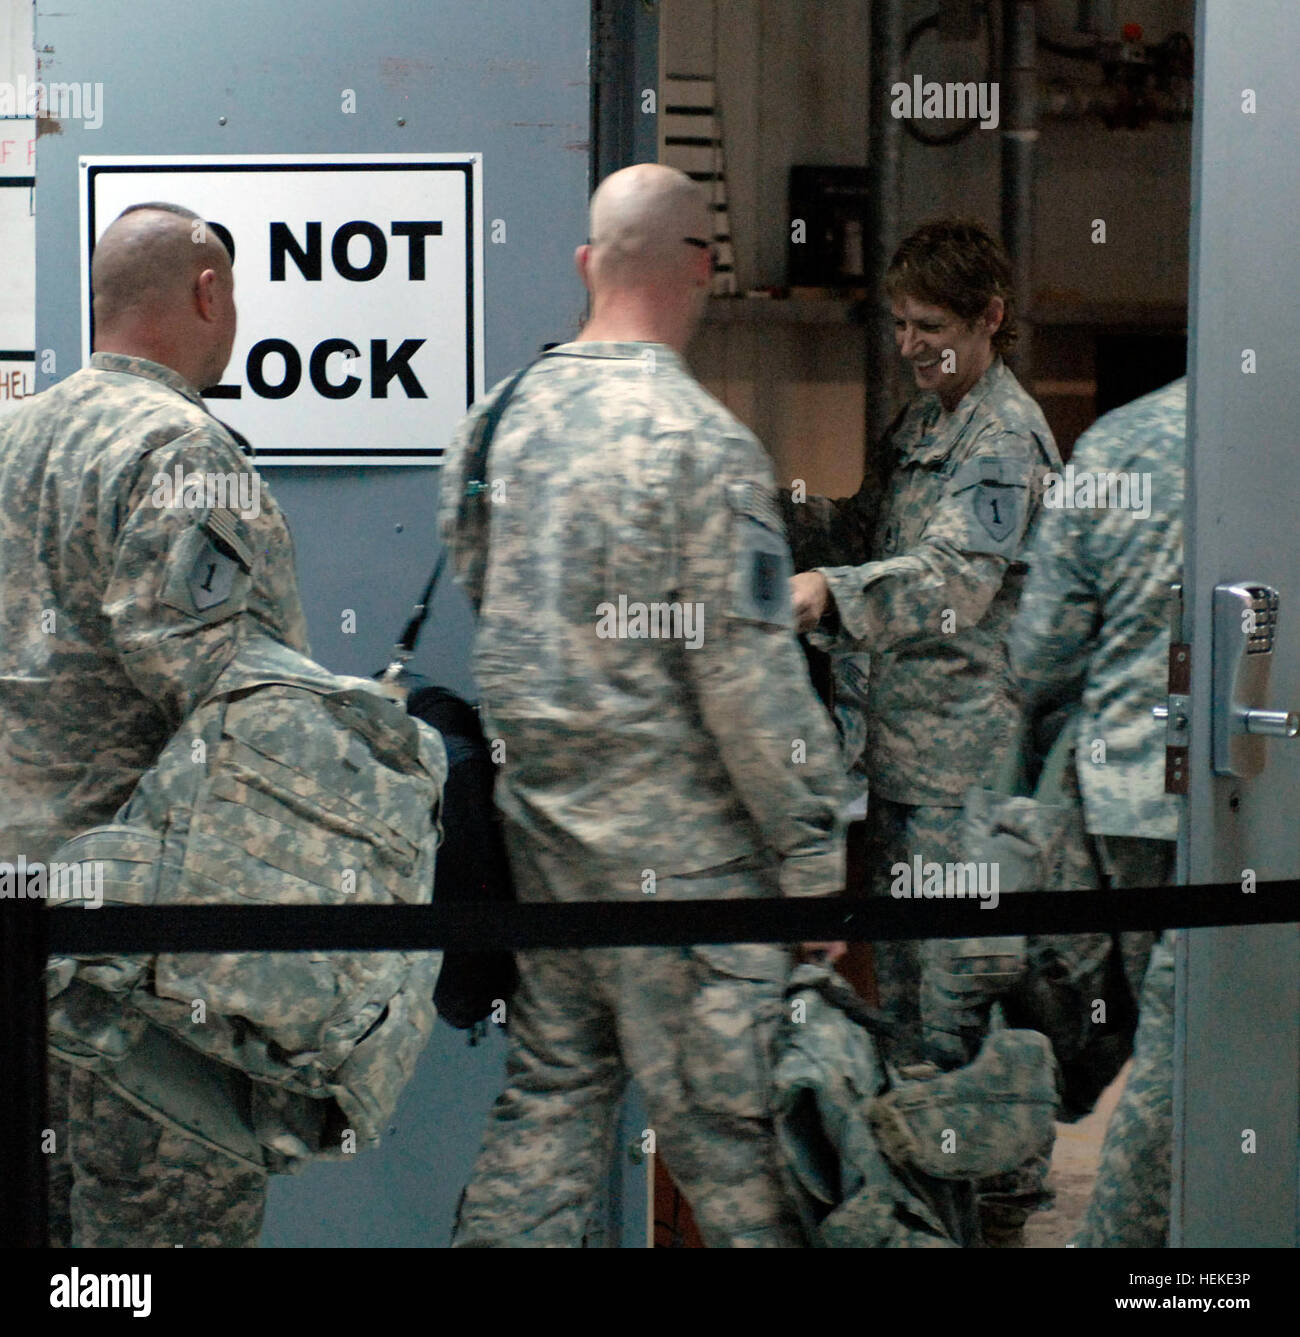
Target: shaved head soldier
(636, 657)
(636, 266)
(163, 288)
(120, 604)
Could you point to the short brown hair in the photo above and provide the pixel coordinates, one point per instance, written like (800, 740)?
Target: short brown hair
(957, 263)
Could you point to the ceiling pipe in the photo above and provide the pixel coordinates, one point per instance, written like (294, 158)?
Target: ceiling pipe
(1019, 134)
(884, 210)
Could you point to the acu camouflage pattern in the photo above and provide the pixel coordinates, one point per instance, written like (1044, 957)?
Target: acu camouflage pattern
(1038, 843)
(995, 1108)
(895, 832)
(940, 1018)
(1096, 610)
(290, 785)
(963, 491)
(935, 533)
(150, 1186)
(1095, 621)
(1045, 981)
(884, 1158)
(712, 772)
(1129, 1207)
(621, 476)
(85, 710)
(86, 707)
(693, 1026)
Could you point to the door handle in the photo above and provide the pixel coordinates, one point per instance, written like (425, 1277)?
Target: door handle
(1270, 723)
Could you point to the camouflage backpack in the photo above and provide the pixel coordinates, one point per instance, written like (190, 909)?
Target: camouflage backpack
(289, 785)
(877, 1157)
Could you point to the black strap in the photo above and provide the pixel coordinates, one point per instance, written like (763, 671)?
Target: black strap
(486, 429)
(244, 444)
(411, 632)
(476, 467)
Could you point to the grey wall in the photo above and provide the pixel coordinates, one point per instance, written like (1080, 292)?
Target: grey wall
(505, 78)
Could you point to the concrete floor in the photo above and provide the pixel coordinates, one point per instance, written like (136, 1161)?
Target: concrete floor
(1074, 1166)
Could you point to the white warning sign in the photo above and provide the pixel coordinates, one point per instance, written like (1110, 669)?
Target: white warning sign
(359, 286)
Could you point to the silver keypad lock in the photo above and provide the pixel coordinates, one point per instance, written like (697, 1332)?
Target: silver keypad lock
(1245, 626)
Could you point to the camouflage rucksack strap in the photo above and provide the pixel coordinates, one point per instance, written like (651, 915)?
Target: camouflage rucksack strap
(840, 995)
(184, 1090)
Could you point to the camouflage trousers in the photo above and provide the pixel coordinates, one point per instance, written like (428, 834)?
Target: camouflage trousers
(1129, 1207)
(895, 834)
(1134, 861)
(693, 1026)
(908, 975)
(120, 1179)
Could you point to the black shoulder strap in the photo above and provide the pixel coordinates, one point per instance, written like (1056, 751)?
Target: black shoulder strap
(486, 428)
(475, 469)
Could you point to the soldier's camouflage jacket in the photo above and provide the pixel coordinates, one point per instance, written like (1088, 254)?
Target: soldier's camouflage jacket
(1095, 609)
(926, 577)
(635, 649)
(118, 612)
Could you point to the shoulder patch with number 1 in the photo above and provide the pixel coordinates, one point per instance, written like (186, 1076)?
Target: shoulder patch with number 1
(209, 567)
(996, 490)
(212, 577)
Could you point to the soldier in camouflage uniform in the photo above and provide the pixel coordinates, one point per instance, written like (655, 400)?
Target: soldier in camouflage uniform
(1094, 620)
(648, 752)
(117, 614)
(923, 569)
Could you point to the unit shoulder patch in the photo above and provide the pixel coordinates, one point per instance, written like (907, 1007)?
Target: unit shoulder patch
(209, 567)
(997, 495)
(760, 584)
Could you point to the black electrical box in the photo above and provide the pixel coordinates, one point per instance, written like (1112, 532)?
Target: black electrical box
(828, 251)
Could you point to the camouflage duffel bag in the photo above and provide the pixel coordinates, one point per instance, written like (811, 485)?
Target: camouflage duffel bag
(289, 785)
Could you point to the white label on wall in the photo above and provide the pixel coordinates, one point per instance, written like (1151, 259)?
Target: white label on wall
(17, 262)
(358, 281)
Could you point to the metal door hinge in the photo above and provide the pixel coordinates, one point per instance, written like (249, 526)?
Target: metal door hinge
(1177, 710)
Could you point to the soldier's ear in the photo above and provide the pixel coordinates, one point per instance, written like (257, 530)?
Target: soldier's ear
(205, 294)
(993, 314)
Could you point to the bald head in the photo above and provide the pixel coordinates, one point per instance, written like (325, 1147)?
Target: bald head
(163, 288)
(638, 219)
(150, 257)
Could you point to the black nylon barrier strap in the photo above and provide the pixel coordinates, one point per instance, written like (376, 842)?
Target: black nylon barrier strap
(23, 1167)
(231, 928)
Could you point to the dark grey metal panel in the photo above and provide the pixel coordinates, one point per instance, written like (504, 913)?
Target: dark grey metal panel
(1238, 1037)
(625, 65)
(507, 79)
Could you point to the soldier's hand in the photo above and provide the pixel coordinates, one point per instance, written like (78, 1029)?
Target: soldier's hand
(823, 953)
(810, 595)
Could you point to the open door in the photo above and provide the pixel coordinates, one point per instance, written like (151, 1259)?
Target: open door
(1237, 1056)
